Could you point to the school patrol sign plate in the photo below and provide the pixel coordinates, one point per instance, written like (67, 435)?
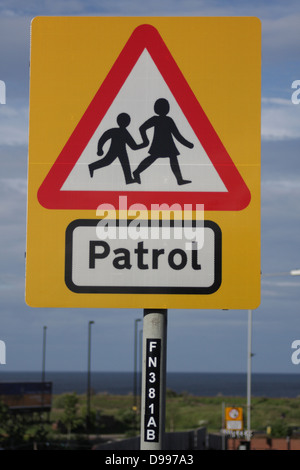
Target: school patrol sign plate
(144, 163)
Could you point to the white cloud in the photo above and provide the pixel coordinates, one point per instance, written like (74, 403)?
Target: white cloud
(279, 289)
(17, 185)
(276, 101)
(280, 119)
(282, 187)
(12, 209)
(280, 37)
(13, 125)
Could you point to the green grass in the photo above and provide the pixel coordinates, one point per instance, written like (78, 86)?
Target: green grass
(113, 414)
(185, 412)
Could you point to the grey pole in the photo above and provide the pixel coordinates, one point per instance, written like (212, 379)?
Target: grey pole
(153, 400)
(88, 397)
(249, 359)
(44, 354)
(44, 364)
(135, 365)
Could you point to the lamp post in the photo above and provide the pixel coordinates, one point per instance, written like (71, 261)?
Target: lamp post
(88, 405)
(43, 364)
(135, 365)
(249, 364)
(293, 272)
(44, 353)
(134, 407)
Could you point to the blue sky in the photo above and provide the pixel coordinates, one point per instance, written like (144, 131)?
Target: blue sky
(204, 341)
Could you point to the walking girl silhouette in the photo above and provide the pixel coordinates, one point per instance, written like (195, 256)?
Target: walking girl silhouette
(162, 146)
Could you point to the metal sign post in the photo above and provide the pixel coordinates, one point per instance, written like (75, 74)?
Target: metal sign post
(153, 379)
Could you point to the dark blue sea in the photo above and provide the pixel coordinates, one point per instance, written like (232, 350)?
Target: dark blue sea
(200, 384)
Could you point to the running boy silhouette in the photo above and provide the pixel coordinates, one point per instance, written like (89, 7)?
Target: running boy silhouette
(120, 137)
(163, 145)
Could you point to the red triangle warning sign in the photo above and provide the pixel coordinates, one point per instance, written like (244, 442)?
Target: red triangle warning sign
(144, 136)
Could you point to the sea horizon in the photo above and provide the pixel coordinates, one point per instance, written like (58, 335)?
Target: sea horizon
(195, 383)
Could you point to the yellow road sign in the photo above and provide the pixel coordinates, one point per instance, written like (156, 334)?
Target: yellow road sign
(132, 119)
(234, 418)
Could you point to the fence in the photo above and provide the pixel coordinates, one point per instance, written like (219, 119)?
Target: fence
(189, 440)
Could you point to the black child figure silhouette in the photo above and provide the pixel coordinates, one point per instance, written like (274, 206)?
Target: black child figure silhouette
(163, 144)
(120, 137)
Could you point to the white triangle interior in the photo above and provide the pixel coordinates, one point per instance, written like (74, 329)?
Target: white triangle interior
(142, 88)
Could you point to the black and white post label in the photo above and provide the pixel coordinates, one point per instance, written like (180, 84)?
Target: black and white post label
(152, 390)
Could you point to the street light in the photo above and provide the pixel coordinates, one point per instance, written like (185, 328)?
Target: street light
(293, 272)
(43, 364)
(88, 405)
(44, 353)
(135, 365)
